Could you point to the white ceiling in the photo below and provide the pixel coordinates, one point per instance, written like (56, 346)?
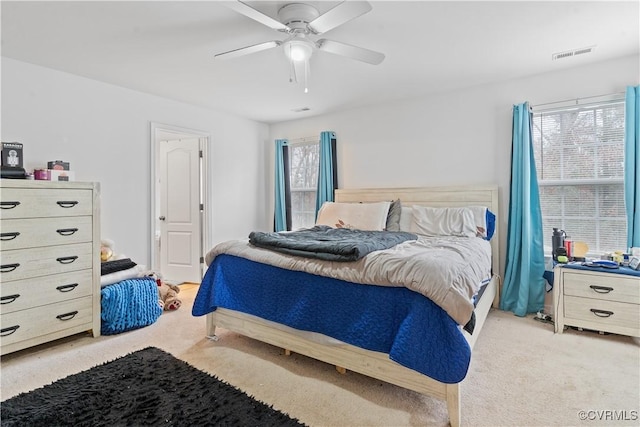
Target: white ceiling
(166, 48)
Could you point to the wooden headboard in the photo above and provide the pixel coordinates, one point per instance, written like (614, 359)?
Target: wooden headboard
(436, 197)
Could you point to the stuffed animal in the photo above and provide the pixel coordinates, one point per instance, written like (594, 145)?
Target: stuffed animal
(168, 295)
(106, 250)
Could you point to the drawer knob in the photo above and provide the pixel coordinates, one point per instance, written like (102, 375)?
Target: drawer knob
(602, 313)
(67, 316)
(9, 236)
(67, 288)
(8, 205)
(66, 231)
(67, 203)
(8, 331)
(601, 289)
(66, 259)
(5, 268)
(9, 299)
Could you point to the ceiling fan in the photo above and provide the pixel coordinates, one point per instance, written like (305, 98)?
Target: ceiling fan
(302, 22)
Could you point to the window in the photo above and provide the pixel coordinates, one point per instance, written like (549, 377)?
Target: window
(579, 154)
(304, 160)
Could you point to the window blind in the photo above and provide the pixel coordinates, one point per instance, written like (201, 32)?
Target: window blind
(579, 154)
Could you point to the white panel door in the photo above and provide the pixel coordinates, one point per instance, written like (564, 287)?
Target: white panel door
(180, 234)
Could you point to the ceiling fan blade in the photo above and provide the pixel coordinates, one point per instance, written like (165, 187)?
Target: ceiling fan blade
(354, 52)
(343, 12)
(248, 50)
(256, 15)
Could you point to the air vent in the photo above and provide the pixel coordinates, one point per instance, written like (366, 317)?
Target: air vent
(300, 110)
(570, 53)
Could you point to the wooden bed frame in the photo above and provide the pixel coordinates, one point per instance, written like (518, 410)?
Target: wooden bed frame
(371, 363)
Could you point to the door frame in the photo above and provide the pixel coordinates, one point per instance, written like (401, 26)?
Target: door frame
(160, 132)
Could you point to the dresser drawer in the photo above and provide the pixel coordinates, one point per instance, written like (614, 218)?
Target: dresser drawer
(25, 263)
(26, 324)
(41, 202)
(22, 294)
(607, 287)
(34, 232)
(598, 312)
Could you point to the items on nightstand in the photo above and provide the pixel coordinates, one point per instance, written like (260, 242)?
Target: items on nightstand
(557, 243)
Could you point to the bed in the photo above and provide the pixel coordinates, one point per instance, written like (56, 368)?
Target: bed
(398, 367)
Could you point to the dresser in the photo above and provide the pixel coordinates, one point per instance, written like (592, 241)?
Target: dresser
(596, 299)
(49, 261)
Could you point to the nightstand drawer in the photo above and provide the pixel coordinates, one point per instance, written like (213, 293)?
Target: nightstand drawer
(34, 232)
(603, 287)
(26, 324)
(38, 203)
(28, 293)
(599, 312)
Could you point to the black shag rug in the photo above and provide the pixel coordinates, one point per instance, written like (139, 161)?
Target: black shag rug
(146, 388)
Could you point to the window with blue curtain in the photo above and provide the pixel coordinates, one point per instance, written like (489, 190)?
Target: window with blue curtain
(305, 174)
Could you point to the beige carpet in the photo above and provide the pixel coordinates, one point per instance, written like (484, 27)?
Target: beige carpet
(522, 374)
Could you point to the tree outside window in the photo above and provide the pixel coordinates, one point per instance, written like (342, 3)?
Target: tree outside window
(304, 163)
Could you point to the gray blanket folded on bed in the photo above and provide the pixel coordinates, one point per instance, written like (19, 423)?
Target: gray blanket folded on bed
(330, 244)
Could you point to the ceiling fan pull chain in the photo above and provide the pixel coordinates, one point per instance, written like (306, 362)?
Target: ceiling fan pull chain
(293, 77)
(306, 76)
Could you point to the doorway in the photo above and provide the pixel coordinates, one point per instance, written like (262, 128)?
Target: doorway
(179, 207)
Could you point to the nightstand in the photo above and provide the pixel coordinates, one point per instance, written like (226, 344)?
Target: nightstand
(597, 299)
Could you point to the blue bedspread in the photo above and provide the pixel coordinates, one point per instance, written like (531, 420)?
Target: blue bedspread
(409, 327)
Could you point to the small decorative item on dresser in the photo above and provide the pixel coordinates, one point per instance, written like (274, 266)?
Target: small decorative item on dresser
(60, 175)
(58, 165)
(634, 262)
(12, 154)
(41, 174)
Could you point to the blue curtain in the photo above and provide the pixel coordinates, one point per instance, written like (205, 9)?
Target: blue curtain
(632, 164)
(524, 285)
(327, 181)
(280, 220)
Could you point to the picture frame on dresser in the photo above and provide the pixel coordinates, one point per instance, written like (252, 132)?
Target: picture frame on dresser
(50, 261)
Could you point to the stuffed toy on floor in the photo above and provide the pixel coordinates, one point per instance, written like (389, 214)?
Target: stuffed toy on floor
(168, 295)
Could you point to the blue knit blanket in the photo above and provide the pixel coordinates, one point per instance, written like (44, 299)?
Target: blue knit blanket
(129, 304)
(407, 326)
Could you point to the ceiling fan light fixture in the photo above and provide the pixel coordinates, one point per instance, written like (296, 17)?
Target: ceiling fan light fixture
(298, 50)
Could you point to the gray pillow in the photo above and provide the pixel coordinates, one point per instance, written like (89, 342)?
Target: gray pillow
(393, 217)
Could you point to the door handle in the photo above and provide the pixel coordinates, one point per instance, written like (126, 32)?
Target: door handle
(162, 218)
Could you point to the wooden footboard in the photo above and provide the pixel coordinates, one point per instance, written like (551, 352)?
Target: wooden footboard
(374, 364)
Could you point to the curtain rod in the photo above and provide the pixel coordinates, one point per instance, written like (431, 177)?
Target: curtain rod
(578, 99)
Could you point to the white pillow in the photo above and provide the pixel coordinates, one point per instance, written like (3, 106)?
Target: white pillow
(480, 217)
(406, 218)
(443, 221)
(363, 216)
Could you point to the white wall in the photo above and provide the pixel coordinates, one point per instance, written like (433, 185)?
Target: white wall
(456, 138)
(104, 132)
